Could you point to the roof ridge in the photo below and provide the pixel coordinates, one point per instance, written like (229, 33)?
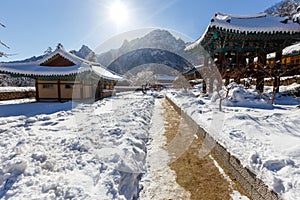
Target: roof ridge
(249, 16)
(61, 52)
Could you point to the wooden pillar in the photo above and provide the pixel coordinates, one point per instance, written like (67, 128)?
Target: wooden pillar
(94, 89)
(223, 68)
(204, 90)
(276, 84)
(239, 59)
(251, 59)
(276, 71)
(278, 57)
(244, 67)
(59, 91)
(227, 79)
(101, 88)
(37, 90)
(260, 73)
(227, 68)
(210, 80)
(81, 89)
(250, 64)
(260, 83)
(238, 69)
(221, 61)
(204, 87)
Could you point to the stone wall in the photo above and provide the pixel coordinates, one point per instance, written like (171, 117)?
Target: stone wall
(16, 95)
(284, 81)
(252, 185)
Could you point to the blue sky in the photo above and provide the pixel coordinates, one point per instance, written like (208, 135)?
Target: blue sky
(34, 25)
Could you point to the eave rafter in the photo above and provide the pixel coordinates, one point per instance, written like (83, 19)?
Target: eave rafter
(217, 40)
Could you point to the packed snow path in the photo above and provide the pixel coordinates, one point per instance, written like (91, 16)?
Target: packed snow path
(159, 182)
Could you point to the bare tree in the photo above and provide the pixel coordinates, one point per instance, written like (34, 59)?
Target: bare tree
(142, 78)
(181, 83)
(2, 53)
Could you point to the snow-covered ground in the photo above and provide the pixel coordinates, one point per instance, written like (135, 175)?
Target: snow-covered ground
(16, 101)
(265, 137)
(91, 151)
(111, 149)
(102, 150)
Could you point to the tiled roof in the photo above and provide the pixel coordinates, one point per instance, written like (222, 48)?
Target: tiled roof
(38, 67)
(247, 24)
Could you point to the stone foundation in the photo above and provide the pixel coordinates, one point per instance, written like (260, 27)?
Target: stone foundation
(16, 95)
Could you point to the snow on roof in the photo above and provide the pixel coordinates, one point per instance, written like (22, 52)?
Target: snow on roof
(288, 50)
(271, 55)
(259, 23)
(291, 49)
(37, 68)
(104, 73)
(194, 69)
(166, 78)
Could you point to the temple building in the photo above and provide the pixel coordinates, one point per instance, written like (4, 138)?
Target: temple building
(62, 76)
(239, 45)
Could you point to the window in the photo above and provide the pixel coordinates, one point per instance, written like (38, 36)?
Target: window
(69, 86)
(48, 86)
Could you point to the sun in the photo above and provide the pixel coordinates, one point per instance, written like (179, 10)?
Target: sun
(118, 12)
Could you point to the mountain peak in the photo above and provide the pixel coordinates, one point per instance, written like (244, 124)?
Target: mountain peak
(283, 8)
(156, 39)
(83, 52)
(155, 47)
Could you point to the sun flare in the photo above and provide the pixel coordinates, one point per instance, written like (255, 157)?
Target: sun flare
(118, 12)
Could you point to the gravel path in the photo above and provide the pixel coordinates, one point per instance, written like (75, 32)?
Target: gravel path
(201, 177)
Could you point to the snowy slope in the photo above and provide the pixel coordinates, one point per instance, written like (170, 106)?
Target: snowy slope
(265, 138)
(93, 151)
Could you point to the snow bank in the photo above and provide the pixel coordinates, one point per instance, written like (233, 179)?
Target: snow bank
(265, 138)
(93, 151)
(238, 96)
(16, 89)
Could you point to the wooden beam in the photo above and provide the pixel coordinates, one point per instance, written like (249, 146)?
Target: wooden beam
(81, 89)
(262, 59)
(59, 90)
(37, 90)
